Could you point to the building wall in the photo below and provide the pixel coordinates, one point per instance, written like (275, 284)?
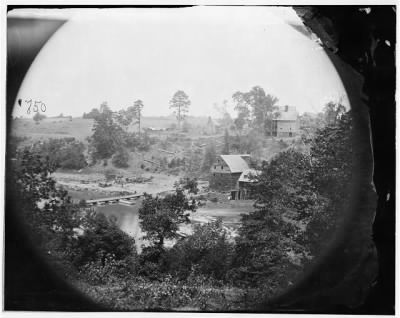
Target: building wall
(223, 181)
(285, 127)
(220, 166)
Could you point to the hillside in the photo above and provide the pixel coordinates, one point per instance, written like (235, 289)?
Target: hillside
(80, 128)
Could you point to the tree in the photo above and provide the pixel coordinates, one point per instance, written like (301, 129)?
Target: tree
(331, 154)
(261, 256)
(256, 106)
(180, 103)
(207, 250)
(266, 113)
(126, 117)
(242, 106)
(138, 106)
(210, 155)
(71, 156)
(101, 238)
(121, 158)
(160, 217)
(287, 182)
(225, 119)
(46, 209)
(110, 174)
(226, 150)
(333, 112)
(38, 117)
(189, 184)
(107, 135)
(92, 114)
(64, 153)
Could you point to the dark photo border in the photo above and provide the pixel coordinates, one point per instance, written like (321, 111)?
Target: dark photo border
(355, 43)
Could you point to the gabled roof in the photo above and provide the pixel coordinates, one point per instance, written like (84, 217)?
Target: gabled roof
(249, 175)
(236, 163)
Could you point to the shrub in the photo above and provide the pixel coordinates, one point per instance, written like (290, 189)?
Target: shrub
(108, 271)
(109, 174)
(214, 199)
(207, 250)
(100, 239)
(121, 158)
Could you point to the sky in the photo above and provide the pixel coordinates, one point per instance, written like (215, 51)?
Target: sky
(120, 56)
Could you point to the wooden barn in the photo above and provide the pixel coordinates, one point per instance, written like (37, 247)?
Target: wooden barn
(226, 171)
(243, 191)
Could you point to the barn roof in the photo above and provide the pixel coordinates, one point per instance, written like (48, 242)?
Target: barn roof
(236, 163)
(247, 175)
(291, 115)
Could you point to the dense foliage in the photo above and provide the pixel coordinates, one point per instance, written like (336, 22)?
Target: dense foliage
(111, 137)
(300, 199)
(255, 107)
(160, 217)
(66, 153)
(207, 252)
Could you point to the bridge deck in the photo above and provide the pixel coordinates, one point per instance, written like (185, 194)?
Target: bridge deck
(130, 196)
(124, 197)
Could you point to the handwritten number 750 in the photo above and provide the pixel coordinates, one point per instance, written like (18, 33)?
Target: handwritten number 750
(37, 106)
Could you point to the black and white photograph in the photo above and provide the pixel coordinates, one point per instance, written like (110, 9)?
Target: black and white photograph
(200, 158)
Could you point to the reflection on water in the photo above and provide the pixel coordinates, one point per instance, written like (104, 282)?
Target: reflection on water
(128, 220)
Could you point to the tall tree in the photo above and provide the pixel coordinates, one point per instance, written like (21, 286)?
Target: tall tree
(210, 155)
(241, 106)
(333, 112)
(138, 106)
(107, 135)
(257, 106)
(180, 103)
(225, 119)
(226, 149)
(331, 154)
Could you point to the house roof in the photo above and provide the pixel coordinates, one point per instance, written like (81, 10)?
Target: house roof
(236, 163)
(286, 116)
(247, 175)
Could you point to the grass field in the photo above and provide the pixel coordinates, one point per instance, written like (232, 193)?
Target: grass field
(78, 128)
(82, 128)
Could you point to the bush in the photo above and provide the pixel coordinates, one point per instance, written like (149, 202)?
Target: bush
(108, 271)
(121, 158)
(214, 199)
(64, 153)
(100, 239)
(207, 250)
(110, 174)
(71, 157)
